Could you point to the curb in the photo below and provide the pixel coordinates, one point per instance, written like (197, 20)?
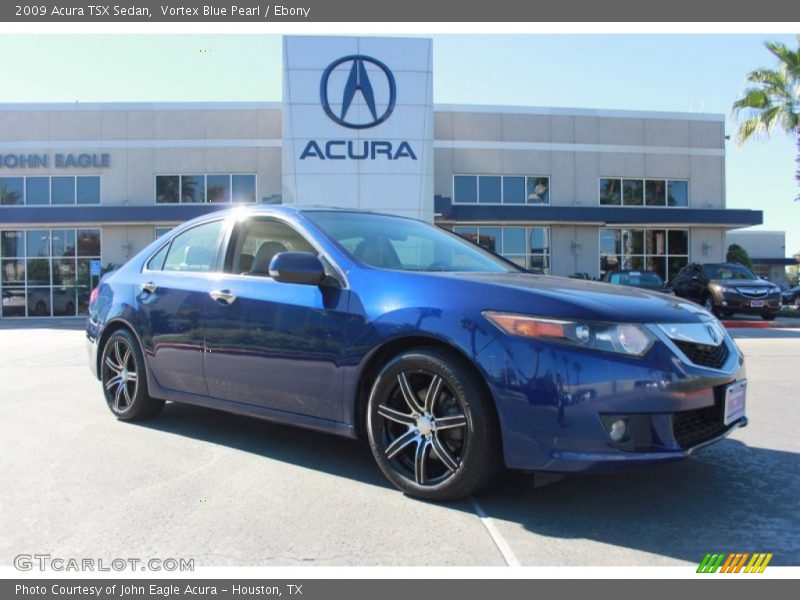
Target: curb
(760, 325)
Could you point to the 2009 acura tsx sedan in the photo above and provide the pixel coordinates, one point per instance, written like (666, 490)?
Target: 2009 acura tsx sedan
(451, 360)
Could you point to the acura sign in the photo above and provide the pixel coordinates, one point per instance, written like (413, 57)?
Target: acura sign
(358, 123)
(379, 101)
(358, 81)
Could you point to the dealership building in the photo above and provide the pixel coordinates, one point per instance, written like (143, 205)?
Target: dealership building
(557, 190)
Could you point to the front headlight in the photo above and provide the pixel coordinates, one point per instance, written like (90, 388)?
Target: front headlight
(621, 338)
(723, 289)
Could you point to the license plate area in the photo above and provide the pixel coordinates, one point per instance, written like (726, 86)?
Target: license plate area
(735, 394)
(757, 303)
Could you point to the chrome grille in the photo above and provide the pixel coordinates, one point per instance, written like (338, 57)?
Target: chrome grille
(753, 292)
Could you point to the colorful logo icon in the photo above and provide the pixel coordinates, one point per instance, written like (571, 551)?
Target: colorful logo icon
(735, 562)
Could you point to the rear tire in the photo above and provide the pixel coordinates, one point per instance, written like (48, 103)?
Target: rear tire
(768, 316)
(431, 427)
(124, 379)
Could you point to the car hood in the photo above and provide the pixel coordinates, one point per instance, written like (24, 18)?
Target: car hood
(575, 298)
(743, 283)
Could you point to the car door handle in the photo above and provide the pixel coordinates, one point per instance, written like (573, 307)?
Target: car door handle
(222, 296)
(148, 287)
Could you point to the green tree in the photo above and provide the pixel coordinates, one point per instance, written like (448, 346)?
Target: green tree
(772, 98)
(737, 254)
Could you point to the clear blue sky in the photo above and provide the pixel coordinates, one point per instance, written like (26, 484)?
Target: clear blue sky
(647, 72)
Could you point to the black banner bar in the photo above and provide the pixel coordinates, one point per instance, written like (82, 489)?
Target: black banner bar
(398, 589)
(49, 11)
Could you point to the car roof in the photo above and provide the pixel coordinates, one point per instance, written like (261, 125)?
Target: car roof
(294, 209)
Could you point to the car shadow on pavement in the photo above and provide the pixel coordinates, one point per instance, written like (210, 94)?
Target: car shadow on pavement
(729, 497)
(323, 452)
(726, 498)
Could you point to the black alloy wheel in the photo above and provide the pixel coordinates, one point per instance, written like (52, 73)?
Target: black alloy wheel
(124, 380)
(432, 430)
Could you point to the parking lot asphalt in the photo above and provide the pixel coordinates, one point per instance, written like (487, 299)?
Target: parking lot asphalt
(228, 490)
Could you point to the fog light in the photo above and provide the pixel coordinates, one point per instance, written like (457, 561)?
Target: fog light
(618, 430)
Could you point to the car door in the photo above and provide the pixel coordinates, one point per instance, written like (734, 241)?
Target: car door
(170, 301)
(683, 284)
(697, 286)
(272, 344)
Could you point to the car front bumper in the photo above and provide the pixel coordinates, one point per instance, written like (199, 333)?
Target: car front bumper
(556, 404)
(738, 303)
(92, 336)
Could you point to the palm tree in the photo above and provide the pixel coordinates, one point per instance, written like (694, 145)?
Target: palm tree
(773, 98)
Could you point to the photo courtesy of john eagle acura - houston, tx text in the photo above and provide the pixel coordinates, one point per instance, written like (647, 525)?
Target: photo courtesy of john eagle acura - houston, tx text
(451, 360)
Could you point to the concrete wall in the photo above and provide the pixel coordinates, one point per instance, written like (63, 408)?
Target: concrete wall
(759, 244)
(573, 147)
(582, 148)
(574, 249)
(707, 244)
(143, 141)
(119, 243)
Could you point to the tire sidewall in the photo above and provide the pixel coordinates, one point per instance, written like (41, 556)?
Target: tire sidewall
(139, 397)
(479, 423)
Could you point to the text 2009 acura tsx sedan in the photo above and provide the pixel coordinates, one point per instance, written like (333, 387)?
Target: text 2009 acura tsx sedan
(452, 361)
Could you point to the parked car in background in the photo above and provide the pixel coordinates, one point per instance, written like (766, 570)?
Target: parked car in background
(449, 360)
(647, 280)
(791, 296)
(726, 289)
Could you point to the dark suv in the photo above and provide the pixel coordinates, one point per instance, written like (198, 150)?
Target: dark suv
(728, 288)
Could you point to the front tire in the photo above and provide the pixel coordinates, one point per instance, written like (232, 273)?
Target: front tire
(432, 429)
(124, 380)
(709, 305)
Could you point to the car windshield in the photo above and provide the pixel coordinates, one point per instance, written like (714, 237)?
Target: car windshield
(728, 272)
(404, 244)
(637, 279)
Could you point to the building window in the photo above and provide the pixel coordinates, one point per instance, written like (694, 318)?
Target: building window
(618, 191)
(159, 231)
(501, 189)
(201, 189)
(664, 251)
(11, 190)
(57, 190)
(529, 247)
(46, 272)
(678, 193)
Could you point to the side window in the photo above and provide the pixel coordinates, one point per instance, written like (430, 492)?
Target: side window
(195, 249)
(156, 262)
(258, 240)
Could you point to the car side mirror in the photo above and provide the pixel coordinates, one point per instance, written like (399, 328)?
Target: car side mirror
(304, 268)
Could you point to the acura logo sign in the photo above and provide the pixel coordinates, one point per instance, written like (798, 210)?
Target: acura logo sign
(377, 88)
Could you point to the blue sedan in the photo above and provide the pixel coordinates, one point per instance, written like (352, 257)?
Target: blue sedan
(450, 360)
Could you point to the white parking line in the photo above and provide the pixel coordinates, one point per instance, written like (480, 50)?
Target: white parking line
(499, 541)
